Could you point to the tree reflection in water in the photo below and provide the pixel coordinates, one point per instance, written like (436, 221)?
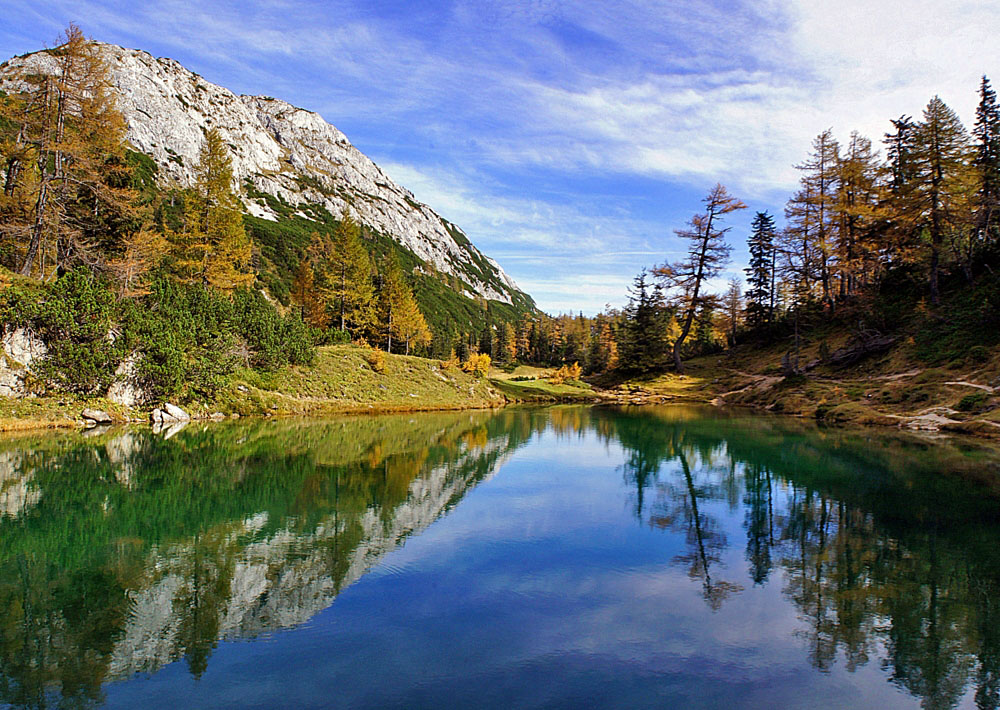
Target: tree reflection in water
(124, 552)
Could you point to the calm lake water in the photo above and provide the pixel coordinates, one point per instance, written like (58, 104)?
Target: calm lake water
(567, 557)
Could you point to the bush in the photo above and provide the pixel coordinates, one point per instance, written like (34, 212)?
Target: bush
(571, 372)
(978, 354)
(477, 364)
(376, 360)
(973, 402)
(76, 319)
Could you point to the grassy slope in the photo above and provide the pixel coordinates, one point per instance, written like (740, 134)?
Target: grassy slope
(341, 380)
(539, 389)
(895, 388)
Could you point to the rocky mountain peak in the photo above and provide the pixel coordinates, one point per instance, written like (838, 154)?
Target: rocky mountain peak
(287, 152)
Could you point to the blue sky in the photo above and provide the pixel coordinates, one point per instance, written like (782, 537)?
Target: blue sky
(569, 139)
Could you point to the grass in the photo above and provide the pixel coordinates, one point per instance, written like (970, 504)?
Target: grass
(342, 380)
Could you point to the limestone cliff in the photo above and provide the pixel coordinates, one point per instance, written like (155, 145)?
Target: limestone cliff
(283, 151)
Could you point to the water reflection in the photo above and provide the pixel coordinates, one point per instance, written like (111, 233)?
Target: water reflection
(127, 551)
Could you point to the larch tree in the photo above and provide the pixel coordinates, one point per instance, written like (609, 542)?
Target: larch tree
(933, 206)
(213, 247)
(819, 182)
(856, 208)
(351, 278)
(64, 164)
(732, 302)
(760, 271)
(707, 255)
(401, 316)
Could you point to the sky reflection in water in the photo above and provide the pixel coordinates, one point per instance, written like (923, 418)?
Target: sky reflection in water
(567, 557)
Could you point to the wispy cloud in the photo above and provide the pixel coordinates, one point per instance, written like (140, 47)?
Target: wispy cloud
(569, 139)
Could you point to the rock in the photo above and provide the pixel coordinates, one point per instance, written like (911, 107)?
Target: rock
(125, 390)
(216, 416)
(156, 416)
(21, 347)
(96, 416)
(175, 413)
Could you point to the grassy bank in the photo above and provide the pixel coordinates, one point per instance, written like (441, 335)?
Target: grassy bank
(342, 379)
(894, 388)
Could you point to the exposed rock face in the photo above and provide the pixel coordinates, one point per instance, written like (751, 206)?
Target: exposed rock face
(284, 151)
(21, 347)
(125, 390)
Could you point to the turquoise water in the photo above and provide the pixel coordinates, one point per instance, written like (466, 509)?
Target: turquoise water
(568, 557)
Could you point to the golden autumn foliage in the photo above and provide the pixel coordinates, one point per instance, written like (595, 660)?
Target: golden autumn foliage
(478, 364)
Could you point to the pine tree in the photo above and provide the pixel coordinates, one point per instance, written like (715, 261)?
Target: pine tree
(987, 161)
(760, 272)
(708, 254)
(644, 345)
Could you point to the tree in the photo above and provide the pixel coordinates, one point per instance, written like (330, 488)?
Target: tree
(941, 149)
(644, 343)
(213, 248)
(64, 160)
(140, 252)
(708, 254)
(856, 209)
(308, 297)
(760, 272)
(401, 317)
(733, 304)
(819, 182)
(352, 289)
(987, 161)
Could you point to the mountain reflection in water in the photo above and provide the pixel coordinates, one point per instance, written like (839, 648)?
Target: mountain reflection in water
(124, 552)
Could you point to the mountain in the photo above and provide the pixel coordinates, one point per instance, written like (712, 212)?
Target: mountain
(289, 161)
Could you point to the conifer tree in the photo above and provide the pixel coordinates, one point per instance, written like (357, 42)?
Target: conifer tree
(213, 248)
(644, 345)
(856, 209)
(733, 304)
(352, 290)
(401, 317)
(932, 207)
(819, 182)
(760, 271)
(64, 167)
(708, 254)
(987, 161)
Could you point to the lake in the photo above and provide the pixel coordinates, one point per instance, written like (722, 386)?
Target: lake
(562, 557)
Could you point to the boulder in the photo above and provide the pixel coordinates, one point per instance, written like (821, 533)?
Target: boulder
(175, 413)
(96, 416)
(156, 416)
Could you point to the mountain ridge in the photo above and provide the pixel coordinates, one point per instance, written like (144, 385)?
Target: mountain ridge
(279, 151)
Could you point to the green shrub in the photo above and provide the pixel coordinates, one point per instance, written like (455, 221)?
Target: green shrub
(972, 402)
(978, 354)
